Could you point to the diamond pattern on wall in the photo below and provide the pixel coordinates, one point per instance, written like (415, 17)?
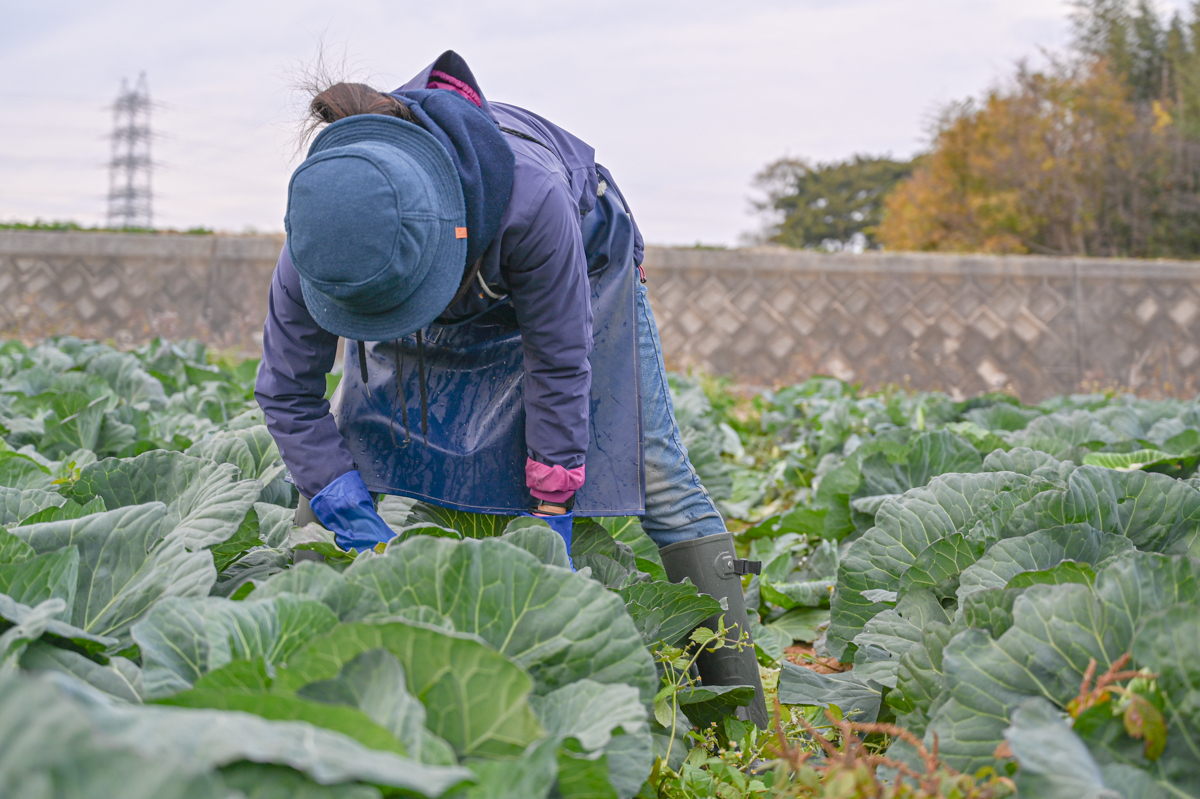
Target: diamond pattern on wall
(131, 288)
(962, 324)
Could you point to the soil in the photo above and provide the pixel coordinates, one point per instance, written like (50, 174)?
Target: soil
(803, 655)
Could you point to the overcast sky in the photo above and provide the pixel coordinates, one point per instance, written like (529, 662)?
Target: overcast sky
(684, 100)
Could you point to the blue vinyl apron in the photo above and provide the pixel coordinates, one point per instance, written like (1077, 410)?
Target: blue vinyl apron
(474, 376)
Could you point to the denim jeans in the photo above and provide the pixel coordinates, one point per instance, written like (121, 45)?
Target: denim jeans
(678, 508)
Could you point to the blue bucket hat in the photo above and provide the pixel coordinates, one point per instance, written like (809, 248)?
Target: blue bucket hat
(376, 228)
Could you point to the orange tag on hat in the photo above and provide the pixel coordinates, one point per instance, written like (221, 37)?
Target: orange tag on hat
(460, 232)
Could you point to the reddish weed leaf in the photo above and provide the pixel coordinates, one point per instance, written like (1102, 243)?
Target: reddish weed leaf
(1145, 721)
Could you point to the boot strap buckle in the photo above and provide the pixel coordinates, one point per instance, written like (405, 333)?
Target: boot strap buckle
(728, 566)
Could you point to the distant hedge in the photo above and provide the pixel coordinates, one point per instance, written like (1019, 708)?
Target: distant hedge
(75, 226)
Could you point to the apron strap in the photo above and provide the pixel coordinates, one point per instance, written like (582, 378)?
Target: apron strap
(400, 399)
(362, 365)
(469, 275)
(424, 399)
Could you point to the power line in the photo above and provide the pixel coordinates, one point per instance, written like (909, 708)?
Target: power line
(130, 198)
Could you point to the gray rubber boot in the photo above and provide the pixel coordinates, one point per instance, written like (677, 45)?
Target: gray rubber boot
(304, 515)
(712, 564)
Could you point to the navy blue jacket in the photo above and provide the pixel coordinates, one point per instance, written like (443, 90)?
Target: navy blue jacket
(537, 258)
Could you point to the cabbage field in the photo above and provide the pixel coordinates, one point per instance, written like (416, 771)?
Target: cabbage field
(957, 599)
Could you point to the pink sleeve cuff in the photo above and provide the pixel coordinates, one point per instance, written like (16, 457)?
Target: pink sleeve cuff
(552, 483)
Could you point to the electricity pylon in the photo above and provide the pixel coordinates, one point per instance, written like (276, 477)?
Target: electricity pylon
(129, 172)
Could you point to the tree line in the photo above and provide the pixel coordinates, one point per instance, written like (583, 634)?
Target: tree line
(1095, 153)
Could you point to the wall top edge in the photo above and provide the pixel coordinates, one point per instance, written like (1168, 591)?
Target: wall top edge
(747, 261)
(761, 260)
(39, 243)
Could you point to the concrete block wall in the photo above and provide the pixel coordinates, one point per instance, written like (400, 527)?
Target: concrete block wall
(131, 288)
(963, 324)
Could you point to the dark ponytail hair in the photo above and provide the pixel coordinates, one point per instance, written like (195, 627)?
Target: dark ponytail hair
(343, 100)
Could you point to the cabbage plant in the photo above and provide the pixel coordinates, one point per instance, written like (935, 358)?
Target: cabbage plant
(1014, 585)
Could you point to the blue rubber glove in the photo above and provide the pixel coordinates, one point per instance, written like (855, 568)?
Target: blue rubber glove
(345, 507)
(560, 524)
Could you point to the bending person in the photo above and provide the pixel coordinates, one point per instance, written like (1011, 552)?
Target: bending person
(500, 354)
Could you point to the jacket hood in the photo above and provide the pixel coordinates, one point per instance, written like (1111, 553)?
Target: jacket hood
(454, 65)
(469, 133)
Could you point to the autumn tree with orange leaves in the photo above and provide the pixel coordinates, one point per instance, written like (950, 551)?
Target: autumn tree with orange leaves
(1097, 154)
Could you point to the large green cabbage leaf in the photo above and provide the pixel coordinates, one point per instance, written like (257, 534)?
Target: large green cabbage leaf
(1056, 630)
(561, 626)
(201, 740)
(904, 528)
(1055, 763)
(205, 501)
(474, 697)
(49, 748)
(125, 565)
(375, 683)
(17, 504)
(181, 640)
